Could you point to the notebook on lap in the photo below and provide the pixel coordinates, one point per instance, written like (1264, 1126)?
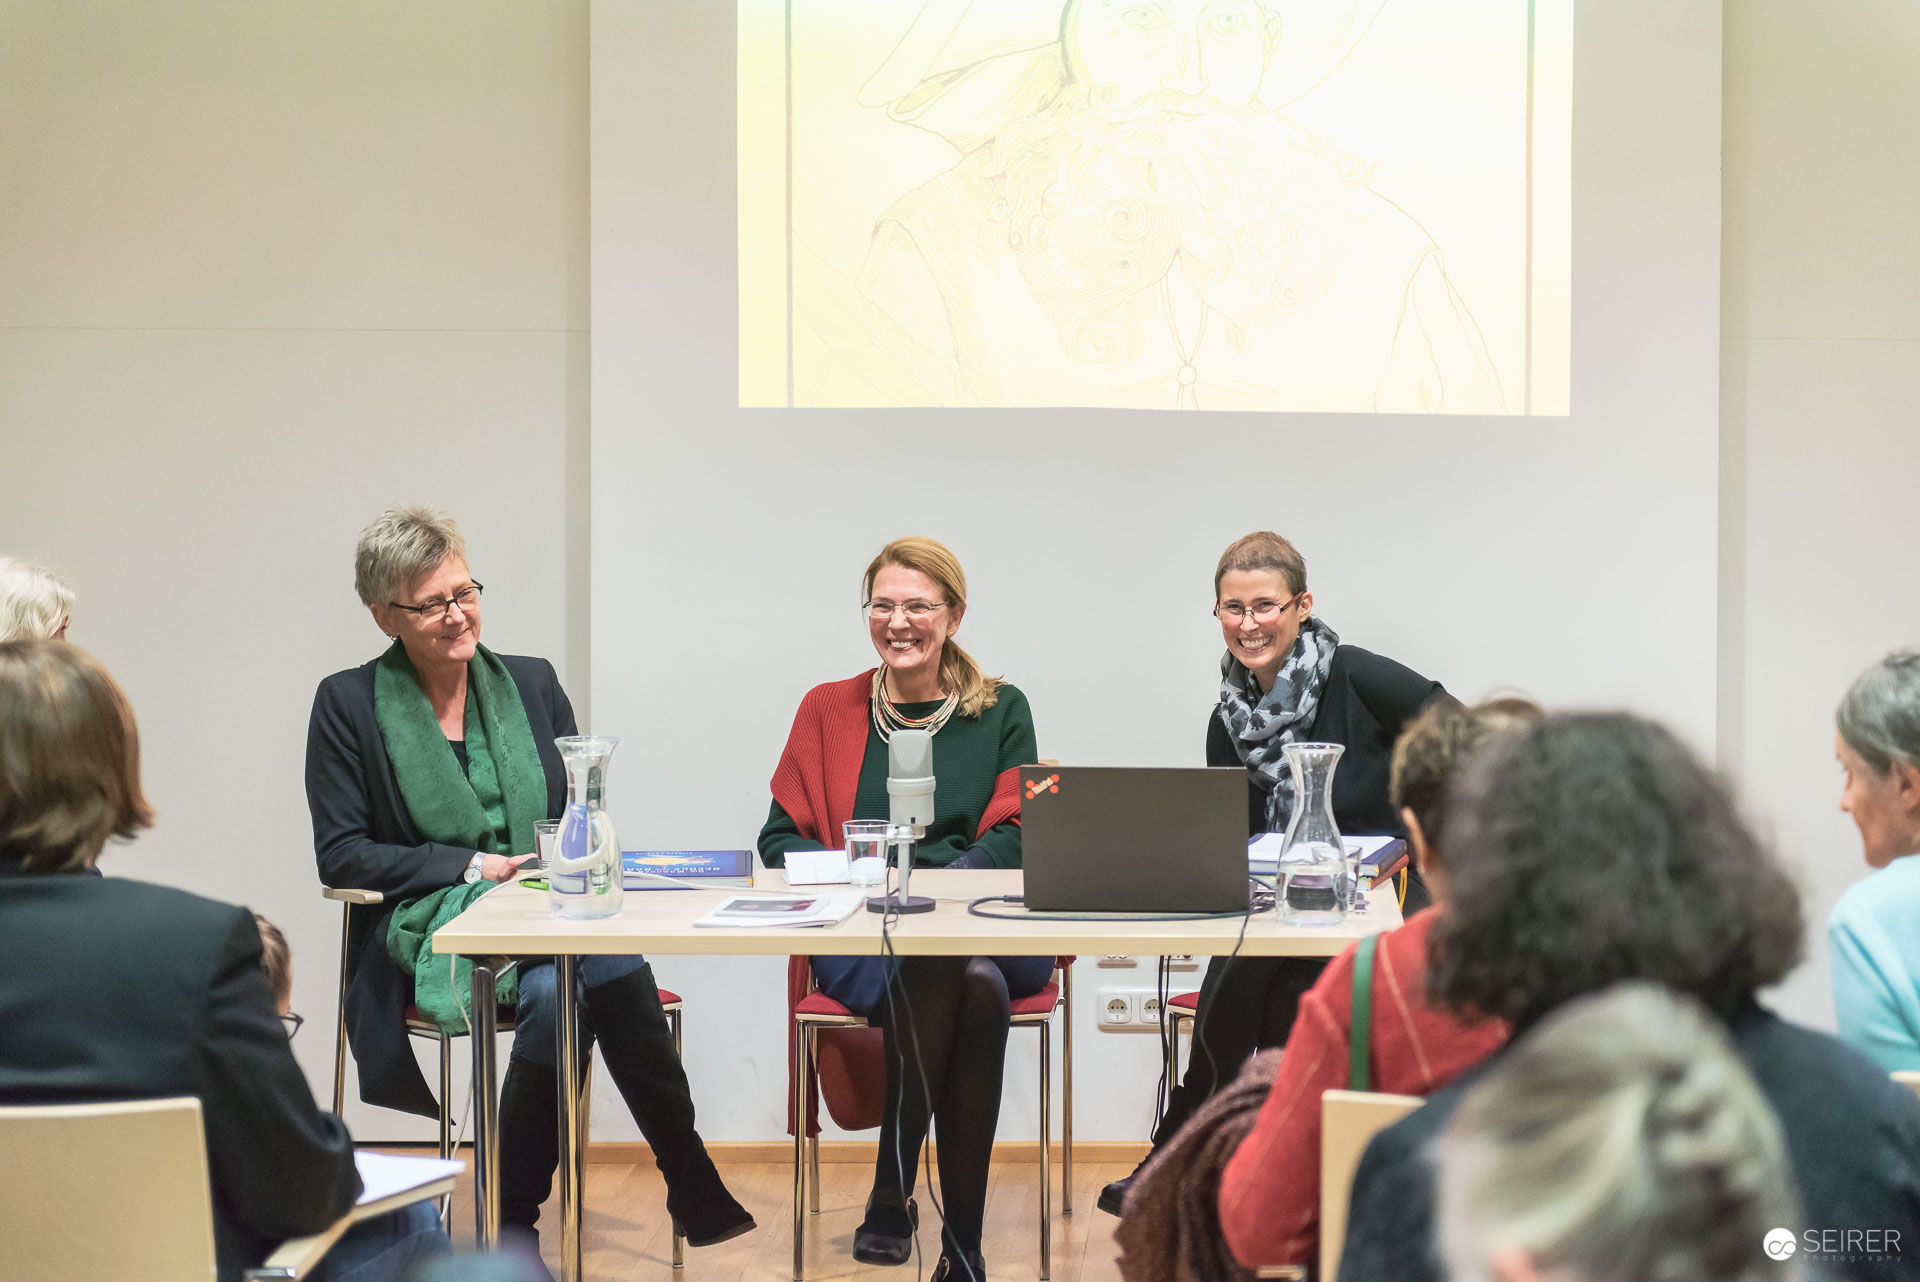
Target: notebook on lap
(1126, 839)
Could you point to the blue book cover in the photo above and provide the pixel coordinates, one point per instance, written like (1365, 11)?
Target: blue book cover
(662, 869)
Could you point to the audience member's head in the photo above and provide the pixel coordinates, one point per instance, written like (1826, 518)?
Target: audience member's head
(1620, 1141)
(1429, 751)
(1595, 849)
(34, 604)
(69, 759)
(1877, 738)
(277, 958)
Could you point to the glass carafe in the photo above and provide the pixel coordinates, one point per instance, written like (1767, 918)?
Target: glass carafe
(584, 878)
(1312, 886)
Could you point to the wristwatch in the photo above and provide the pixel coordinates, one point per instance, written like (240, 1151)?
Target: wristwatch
(473, 867)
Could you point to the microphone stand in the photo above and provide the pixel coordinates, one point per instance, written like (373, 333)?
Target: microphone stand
(903, 838)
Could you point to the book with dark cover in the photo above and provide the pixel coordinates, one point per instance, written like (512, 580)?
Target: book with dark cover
(688, 869)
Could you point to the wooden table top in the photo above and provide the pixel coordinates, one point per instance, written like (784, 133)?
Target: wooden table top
(514, 921)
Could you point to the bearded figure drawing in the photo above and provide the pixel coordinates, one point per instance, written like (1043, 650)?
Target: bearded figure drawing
(1126, 221)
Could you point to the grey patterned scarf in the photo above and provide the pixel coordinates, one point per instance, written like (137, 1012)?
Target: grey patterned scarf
(1264, 724)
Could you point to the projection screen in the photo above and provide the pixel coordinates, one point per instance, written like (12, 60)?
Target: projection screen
(1339, 206)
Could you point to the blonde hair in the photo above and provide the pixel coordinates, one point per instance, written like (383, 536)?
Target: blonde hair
(399, 547)
(69, 758)
(34, 602)
(958, 672)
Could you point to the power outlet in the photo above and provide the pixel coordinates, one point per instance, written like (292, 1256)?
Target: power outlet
(1129, 1010)
(1116, 961)
(1183, 961)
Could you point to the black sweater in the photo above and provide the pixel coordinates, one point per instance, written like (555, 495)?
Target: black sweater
(1367, 703)
(1853, 1137)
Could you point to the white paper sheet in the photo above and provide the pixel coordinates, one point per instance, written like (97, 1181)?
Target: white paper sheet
(383, 1174)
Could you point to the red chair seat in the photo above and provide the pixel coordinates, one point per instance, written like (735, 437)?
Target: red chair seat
(1041, 1003)
(669, 998)
(818, 1003)
(1188, 1002)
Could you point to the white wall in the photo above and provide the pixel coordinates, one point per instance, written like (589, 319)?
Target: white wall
(265, 270)
(1820, 381)
(1574, 557)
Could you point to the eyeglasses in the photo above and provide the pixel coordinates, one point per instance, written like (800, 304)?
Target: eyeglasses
(1262, 611)
(877, 610)
(467, 598)
(293, 1023)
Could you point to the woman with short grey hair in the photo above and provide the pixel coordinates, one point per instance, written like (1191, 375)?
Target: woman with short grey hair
(427, 769)
(1620, 1141)
(1874, 931)
(35, 605)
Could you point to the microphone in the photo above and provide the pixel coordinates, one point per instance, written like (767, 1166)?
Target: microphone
(910, 779)
(910, 806)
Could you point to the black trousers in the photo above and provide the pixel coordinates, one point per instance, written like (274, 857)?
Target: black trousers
(1247, 1004)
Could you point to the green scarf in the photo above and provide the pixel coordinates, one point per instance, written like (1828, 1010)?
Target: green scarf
(502, 761)
(491, 808)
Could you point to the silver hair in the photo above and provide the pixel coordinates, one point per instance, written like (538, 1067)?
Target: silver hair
(1620, 1141)
(1880, 716)
(401, 546)
(34, 601)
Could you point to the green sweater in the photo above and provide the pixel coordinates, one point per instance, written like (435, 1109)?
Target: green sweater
(969, 754)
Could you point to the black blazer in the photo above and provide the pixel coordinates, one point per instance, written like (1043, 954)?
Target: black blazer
(116, 989)
(1367, 703)
(364, 839)
(1853, 1139)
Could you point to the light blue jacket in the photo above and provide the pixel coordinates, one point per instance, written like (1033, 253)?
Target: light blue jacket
(1874, 939)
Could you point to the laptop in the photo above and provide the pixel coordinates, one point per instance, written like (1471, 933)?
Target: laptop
(1124, 839)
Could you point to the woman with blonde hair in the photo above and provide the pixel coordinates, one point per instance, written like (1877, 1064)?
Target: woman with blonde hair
(945, 1018)
(35, 605)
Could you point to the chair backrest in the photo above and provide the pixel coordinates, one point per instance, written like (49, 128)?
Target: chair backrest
(1908, 1078)
(106, 1193)
(1348, 1120)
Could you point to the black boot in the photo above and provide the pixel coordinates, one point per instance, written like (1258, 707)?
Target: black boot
(637, 1046)
(529, 1141)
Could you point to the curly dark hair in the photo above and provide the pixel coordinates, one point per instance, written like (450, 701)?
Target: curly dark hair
(1596, 849)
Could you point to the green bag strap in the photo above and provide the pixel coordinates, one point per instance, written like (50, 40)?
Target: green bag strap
(1360, 1034)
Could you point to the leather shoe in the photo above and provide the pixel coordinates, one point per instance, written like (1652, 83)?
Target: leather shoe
(871, 1246)
(1113, 1197)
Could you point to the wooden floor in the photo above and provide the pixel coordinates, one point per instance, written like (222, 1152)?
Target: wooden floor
(627, 1236)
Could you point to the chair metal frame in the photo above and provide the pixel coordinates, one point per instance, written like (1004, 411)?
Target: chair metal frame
(425, 1030)
(806, 1148)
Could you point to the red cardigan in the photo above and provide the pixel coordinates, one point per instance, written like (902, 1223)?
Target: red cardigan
(1270, 1193)
(815, 783)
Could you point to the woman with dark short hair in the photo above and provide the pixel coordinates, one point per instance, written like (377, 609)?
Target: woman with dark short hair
(1596, 850)
(116, 989)
(1286, 677)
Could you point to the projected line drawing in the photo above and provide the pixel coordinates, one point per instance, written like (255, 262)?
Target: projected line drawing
(1130, 215)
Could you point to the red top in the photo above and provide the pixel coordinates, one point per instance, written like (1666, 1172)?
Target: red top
(1270, 1193)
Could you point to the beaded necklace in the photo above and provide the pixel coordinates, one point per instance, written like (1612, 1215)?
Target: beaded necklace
(887, 718)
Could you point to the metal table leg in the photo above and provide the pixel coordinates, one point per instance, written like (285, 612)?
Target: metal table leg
(573, 1149)
(486, 1109)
